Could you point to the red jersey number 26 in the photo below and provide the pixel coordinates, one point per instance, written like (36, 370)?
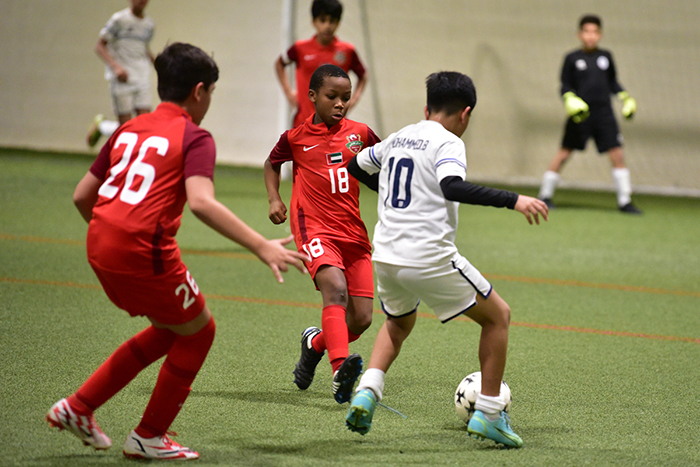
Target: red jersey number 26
(138, 167)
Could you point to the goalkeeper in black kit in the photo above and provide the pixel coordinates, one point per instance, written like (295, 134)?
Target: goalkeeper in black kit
(588, 78)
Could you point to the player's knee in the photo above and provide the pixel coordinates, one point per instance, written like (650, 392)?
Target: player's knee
(335, 293)
(504, 315)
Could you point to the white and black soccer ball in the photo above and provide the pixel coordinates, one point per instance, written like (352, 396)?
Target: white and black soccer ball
(468, 389)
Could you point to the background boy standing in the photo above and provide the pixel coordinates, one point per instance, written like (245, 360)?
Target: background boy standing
(123, 46)
(588, 77)
(308, 55)
(325, 220)
(422, 170)
(133, 197)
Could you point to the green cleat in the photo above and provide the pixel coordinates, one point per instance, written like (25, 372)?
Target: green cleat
(94, 133)
(498, 430)
(359, 418)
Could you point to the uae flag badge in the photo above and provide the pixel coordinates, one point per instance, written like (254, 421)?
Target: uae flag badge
(354, 143)
(334, 158)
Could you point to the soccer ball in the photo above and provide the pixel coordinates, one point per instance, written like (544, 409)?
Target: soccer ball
(468, 389)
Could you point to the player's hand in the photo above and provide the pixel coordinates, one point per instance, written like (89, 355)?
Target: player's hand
(576, 107)
(278, 212)
(629, 105)
(532, 208)
(278, 258)
(121, 74)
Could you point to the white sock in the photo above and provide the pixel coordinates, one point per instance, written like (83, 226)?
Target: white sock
(491, 406)
(107, 127)
(623, 185)
(373, 379)
(550, 180)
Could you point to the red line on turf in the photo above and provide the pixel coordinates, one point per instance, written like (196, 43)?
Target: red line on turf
(496, 277)
(265, 301)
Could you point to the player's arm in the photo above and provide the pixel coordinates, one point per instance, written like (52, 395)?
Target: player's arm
(456, 189)
(629, 104)
(575, 107)
(357, 93)
(204, 205)
(289, 92)
(278, 210)
(85, 195)
(103, 53)
(371, 181)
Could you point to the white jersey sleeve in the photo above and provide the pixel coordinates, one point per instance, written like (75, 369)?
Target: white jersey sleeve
(417, 225)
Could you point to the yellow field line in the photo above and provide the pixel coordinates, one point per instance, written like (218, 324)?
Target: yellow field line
(495, 277)
(265, 301)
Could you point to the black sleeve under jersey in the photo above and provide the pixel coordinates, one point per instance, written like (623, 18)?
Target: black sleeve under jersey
(372, 181)
(456, 189)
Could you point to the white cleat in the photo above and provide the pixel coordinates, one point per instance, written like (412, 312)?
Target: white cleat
(160, 447)
(85, 428)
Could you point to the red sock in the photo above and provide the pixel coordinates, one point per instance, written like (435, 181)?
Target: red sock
(179, 370)
(319, 342)
(335, 334)
(121, 367)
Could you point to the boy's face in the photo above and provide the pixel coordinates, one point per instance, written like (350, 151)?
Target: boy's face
(331, 100)
(137, 6)
(201, 106)
(325, 28)
(589, 34)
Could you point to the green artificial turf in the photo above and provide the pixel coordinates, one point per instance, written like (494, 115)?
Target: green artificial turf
(603, 355)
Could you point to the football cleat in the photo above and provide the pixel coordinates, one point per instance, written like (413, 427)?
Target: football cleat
(94, 133)
(306, 366)
(84, 427)
(549, 203)
(160, 447)
(344, 378)
(498, 430)
(630, 208)
(359, 418)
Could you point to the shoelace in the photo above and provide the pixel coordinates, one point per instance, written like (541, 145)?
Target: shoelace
(391, 409)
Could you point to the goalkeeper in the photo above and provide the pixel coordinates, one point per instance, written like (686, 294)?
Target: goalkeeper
(588, 78)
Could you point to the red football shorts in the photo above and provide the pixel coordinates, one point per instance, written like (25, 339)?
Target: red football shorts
(351, 257)
(169, 298)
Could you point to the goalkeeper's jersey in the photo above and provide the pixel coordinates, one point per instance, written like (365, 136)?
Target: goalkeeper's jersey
(590, 75)
(417, 225)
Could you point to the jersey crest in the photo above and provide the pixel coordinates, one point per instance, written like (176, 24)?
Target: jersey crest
(354, 143)
(340, 57)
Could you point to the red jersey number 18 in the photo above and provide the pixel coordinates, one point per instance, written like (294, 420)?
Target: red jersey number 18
(343, 184)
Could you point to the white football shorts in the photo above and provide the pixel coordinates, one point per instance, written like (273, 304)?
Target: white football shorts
(449, 289)
(127, 97)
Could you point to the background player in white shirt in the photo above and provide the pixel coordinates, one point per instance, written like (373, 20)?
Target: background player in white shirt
(421, 181)
(124, 47)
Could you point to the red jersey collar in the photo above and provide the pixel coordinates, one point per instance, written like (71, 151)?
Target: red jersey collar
(322, 127)
(330, 44)
(174, 109)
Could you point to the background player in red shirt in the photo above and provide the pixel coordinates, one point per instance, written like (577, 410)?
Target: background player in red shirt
(325, 220)
(133, 197)
(323, 48)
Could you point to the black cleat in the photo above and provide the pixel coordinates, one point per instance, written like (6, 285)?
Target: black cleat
(306, 366)
(630, 208)
(344, 379)
(549, 203)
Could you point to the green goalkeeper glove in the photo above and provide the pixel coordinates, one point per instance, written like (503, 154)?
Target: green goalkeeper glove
(629, 105)
(575, 107)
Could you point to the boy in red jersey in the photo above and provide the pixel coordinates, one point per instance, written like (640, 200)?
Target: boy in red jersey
(323, 48)
(325, 220)
(133, 197)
